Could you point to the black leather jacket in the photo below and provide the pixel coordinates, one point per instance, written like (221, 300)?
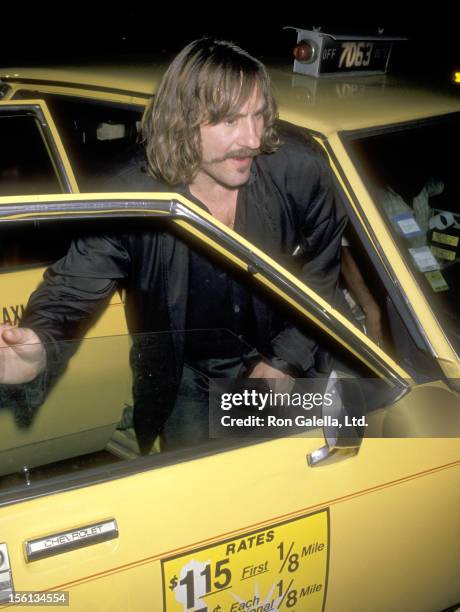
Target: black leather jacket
(288, 206)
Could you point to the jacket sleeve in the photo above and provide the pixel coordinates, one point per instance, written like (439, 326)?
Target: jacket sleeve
(72, 294)
(76, 288)
(320, 223)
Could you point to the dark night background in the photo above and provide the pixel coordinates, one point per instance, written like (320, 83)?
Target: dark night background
(73, 33)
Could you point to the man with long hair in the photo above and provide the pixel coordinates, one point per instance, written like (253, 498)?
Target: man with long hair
(209, 133)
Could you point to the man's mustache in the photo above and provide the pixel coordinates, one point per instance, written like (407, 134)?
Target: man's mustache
(237, 154)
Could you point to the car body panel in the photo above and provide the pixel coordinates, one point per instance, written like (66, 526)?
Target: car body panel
(381, 500)
(304, 101)
(142, 80)
(364, 102)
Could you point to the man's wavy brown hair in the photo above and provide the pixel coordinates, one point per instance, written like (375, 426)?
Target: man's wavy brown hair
(208, 81)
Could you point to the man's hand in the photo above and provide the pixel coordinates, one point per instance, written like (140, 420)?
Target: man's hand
(22, 355)
(283, 382)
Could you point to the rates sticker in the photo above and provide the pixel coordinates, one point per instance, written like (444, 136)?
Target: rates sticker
(281, 567)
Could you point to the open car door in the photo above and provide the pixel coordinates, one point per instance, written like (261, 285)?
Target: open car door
(310, 521)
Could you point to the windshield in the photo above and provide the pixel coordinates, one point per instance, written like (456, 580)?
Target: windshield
(412, 174)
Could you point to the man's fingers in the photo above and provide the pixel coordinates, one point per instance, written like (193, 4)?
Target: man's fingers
(15, 335)
(23, 341)
(22, 355)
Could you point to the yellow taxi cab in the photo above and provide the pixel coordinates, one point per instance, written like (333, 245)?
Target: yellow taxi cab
(319, 520)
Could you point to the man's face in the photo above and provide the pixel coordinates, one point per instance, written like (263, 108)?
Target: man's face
(229, 147)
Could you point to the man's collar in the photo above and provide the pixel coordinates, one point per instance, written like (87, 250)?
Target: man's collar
(254, 172)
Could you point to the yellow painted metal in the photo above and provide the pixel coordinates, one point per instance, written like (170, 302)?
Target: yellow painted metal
(81, 93)
(390, 488)
(134, 78)
(357, 211)
(322, 105)
(339, 103)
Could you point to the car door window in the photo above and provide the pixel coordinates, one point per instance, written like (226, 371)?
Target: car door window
(97, 135)
(25, 163)
(80, 414)
(32, 160)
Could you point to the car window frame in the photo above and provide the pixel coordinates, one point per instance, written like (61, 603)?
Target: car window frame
(214, 236)
(51, 138)
(350, 184)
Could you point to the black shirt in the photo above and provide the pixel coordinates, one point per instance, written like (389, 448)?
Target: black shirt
(217, 301)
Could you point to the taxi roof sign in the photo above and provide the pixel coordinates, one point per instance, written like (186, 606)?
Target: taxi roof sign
(321, 54)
